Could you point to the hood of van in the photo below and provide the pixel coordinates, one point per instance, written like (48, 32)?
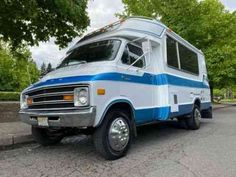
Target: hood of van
(74, 74)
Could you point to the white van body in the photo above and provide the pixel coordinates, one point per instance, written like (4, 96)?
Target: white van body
(163, 86)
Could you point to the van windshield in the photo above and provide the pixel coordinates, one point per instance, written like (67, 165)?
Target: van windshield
(98, 51)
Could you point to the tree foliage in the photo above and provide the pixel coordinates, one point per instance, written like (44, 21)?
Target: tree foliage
(17, 70)
(206, 24)
(30, 21)
(49, 67)
(45, 69)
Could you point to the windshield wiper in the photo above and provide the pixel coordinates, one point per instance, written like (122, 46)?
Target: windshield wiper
(82, 62)
(68, 64)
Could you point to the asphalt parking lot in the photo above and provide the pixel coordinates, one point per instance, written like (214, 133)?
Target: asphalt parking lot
(160, 150)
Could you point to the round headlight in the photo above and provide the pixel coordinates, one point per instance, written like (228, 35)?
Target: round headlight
(83, 96)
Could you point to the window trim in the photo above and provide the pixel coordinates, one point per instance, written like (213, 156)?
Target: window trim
(177, 68)
(196, 74)
(178, 56)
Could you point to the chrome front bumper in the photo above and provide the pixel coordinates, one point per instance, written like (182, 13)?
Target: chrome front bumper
(65, 118)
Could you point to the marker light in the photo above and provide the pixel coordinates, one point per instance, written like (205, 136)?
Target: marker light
(101, 91)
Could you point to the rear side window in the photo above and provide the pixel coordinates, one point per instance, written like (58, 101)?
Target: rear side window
(172, 57)
(181, 57)
(188, 60)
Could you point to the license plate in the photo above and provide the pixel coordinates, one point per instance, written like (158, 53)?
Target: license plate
(43, 121)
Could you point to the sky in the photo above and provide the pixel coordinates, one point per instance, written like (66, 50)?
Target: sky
(101, 13)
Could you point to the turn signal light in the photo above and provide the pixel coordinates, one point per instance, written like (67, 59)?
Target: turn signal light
(68, 97)
(29, 101)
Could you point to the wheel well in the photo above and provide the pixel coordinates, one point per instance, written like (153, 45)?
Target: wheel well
(124, 106)
(198, 103)
(129, 109)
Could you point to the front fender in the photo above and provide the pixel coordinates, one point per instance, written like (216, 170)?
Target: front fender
(101, 116)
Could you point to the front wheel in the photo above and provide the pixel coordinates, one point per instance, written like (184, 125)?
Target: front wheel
(113, 138)
(46, 136)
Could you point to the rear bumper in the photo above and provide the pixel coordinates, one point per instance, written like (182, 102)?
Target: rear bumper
(68, 118)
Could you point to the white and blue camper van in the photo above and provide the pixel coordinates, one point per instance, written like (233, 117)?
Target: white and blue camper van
(130, 73)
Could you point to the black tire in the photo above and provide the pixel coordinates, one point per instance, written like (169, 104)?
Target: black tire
(45, 136)
(194, 121)
(101, 135)
(207, 114)
(182, 122)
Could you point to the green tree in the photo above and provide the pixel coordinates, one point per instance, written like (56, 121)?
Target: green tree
(7, 79)
(43, 69)
(18, 70)
(49, 67)
(30, 21)
(206, 24)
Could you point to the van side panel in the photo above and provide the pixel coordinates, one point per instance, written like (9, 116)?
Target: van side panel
(185, 88)
(155, 93)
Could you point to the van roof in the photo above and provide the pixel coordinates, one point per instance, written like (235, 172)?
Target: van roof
(162, 28)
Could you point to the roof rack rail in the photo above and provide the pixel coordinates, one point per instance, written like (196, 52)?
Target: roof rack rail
(147, 18)
(144, 17)
(101, 30)
(105, 28)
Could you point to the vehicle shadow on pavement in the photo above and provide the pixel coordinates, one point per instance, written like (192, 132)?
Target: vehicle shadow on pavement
(155, 135)
(147, 134)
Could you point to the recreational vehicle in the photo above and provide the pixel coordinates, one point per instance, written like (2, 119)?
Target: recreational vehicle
(130, 73)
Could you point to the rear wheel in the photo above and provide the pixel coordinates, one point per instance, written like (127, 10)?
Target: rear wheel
(46, 136)
(113, 138)
(194, 121)
(182, 122)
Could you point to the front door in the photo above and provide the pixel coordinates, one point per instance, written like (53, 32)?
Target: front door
(137, 83)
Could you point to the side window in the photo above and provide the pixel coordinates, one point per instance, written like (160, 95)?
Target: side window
(131, 54)
(172, 57)
(188, 60)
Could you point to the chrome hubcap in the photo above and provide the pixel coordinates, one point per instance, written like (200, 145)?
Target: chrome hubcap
(197, 116)
(118, 134)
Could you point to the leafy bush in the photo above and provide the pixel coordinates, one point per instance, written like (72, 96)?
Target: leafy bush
(218, 93)
(9, 96)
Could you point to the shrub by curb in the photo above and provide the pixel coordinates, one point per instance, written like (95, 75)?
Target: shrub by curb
(9, 96)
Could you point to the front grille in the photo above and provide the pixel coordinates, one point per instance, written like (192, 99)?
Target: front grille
(52, 106)
(51, 98)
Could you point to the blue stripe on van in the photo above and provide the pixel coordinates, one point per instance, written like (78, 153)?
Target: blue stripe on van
(164, 113)
(151, 114)
(161, 79)
(206, 105)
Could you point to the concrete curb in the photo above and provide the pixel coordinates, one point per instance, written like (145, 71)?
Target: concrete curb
(12, 141)
(221, 106)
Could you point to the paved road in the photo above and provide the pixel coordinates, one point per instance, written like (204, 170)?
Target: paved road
(160, 150)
